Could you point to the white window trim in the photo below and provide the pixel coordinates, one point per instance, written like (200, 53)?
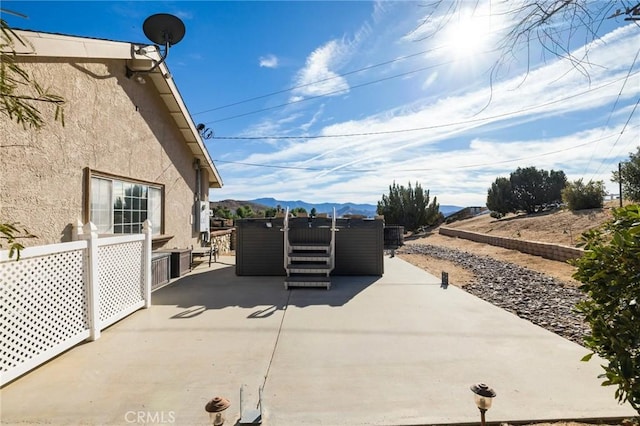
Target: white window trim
(158, 229)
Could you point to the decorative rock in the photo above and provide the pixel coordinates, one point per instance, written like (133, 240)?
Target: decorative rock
(533, 296)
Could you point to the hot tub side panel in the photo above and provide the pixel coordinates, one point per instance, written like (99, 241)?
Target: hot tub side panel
(359, 247)
(260, 247)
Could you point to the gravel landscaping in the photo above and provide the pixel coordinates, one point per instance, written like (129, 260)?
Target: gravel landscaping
(531, 295)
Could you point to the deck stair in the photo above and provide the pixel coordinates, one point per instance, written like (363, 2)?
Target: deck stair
(308, 264)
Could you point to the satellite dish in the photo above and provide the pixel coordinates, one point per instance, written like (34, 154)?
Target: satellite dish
(163, 29)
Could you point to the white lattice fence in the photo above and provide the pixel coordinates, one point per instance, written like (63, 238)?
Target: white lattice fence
(44, 306)
(58, 295)
(121, 279)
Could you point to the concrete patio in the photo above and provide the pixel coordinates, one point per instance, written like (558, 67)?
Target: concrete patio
(391, 350)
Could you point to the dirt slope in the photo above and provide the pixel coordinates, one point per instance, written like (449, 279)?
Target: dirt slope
(561, 227)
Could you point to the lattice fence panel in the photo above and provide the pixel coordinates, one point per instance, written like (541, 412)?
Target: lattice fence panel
(42, 306)
(121, 279)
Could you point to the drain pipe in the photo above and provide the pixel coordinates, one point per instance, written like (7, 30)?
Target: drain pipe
(196, 165)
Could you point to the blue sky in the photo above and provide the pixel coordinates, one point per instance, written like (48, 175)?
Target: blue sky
(333, 101)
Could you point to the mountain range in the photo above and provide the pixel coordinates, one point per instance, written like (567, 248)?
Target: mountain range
(368, 210)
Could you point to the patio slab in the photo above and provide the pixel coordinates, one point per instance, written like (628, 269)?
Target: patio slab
(391, 350)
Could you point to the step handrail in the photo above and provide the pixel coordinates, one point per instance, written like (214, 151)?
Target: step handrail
(285, 231)
(332, 248)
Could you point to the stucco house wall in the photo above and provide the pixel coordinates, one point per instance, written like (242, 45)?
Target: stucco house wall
(113, 125)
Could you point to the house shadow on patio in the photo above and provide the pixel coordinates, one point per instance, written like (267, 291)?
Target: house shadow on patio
(221, 288)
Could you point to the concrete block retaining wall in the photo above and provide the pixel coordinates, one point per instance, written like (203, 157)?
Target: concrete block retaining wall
(546, 250)
(223, 240)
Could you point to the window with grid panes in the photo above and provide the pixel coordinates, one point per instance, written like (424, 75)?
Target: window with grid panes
(118, 206)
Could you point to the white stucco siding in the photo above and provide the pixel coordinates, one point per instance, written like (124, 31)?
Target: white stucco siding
(112, 125)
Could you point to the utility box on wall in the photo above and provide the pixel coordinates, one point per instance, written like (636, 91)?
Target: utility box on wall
(203, 217)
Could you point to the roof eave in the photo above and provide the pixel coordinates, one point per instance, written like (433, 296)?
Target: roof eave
(65, 46)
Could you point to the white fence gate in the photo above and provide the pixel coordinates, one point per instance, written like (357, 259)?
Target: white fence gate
(58, 295)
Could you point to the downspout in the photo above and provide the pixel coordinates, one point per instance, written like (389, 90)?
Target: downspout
(196, 165)
(203, 236)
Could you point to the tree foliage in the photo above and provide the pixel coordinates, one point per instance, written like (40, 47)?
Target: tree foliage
(533, 188)
(20, 97)
(610, 275)
(297, 210)
(20, 94)
(630, 177)
(527, 189)
(244, 212)
(408, 207)
(553, 25)
(9, 233)
(222, 212)
(500, 197)
(578, 196)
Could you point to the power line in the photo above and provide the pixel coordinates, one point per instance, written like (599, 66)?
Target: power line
(435, 126)
(400, 58)
(316, 169)
(309, 98)
(619, 136)
(615, 104)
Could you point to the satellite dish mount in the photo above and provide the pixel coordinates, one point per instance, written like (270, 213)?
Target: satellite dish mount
(163, 30)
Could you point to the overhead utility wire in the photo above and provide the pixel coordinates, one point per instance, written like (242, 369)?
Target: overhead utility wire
(620, 135)
(316, 169)
(435, 126)
(615, 104)
(309, 98)
(399, 58)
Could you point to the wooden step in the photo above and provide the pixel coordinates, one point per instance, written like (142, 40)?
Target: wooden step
(322, 248)
(308, 268)
(307, 256)
(307, 281)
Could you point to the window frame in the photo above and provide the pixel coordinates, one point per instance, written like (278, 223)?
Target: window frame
(89, 174)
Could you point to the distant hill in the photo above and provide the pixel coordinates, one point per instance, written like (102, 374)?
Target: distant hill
(447, 210)
(368, 210)
(234, 204)
(341, 208)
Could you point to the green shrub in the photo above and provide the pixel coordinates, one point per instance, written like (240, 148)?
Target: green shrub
(578, 196)
(610, 275)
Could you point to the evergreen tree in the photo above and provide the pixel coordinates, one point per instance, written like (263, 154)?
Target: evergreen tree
(500, 197)
(408, 207)
(534, 189)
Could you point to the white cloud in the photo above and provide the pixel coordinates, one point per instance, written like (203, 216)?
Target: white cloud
(306, 126)
(430, 80)
(318, 76)
(464, 144)
(269, 61)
